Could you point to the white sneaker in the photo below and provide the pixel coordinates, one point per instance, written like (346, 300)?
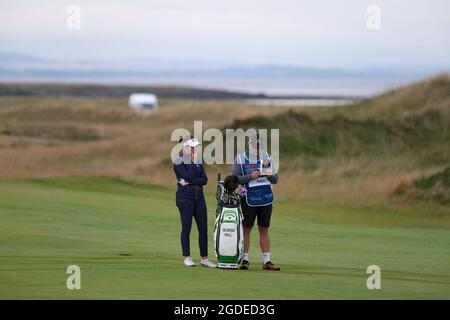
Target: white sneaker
(208, 264)
(188, 262)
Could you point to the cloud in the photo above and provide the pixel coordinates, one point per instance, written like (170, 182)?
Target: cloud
(290, 31)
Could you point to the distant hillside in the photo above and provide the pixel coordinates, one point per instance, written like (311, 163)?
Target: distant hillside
(85, 90)
(123, 91)
(18, 64)
(6, 58)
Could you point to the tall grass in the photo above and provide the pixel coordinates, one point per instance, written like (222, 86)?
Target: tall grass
(358, 154)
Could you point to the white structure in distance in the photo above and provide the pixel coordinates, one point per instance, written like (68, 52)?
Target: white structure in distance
(143, 101)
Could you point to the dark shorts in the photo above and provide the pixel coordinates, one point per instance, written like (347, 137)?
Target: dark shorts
(263, 213)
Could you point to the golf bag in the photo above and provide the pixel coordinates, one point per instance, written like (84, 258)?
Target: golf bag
(228, 233)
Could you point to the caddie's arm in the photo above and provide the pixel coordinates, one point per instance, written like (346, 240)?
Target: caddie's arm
(273, 178)
(243, 179)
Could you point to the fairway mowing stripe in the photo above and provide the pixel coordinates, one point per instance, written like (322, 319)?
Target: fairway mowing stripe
(415, 280)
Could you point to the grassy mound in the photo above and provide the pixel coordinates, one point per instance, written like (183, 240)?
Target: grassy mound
(435, 187)
(358, 153)
(431, 94)
(369, 148)
(344, 136)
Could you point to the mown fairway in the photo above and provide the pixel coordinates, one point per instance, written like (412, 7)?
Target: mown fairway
(125, 239)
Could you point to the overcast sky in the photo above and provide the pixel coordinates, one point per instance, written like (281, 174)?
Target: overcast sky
(307, 33)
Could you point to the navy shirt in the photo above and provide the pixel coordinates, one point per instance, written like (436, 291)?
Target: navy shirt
(196, 176)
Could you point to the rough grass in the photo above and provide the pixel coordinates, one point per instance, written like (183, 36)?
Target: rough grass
(355, 154)
(47, 137)
(347, 136)
(358, 153)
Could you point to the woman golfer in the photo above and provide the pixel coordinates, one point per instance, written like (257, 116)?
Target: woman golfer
(191, 178)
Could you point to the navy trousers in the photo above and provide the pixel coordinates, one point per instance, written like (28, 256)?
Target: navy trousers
(193, 209)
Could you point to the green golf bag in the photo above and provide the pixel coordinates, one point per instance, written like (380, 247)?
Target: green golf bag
(228, 232)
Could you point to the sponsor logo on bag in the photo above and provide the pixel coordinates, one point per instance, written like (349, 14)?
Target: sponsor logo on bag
(229, 216)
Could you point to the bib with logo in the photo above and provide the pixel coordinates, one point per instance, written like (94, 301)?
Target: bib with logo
(259, 191)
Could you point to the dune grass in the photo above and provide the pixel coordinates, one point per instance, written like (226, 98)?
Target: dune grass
(362, 153)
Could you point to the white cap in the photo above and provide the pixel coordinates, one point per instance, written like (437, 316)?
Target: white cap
(191, 143)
